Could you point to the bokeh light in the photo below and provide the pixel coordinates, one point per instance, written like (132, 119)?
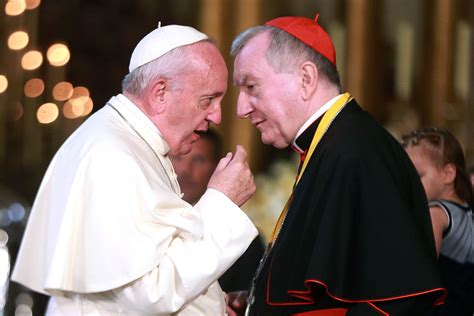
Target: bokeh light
(62, 91)
(67, 110)
(34, 87)
(32, 4)
(73, 108)
(3, 83)
(18, 40)
(88, 106)
(58, 55)
(15, 7)
(79, 104)
(32, 60)
(78, 107)
(47, 113)
(16, 212)
(80, 91)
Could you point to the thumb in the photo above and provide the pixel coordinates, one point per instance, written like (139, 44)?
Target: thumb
(224, 161)
(240, 153)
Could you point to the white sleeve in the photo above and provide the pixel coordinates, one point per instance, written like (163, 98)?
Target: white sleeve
(190, 266)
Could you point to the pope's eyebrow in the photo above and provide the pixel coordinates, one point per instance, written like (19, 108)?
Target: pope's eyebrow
(241, 81)
(212, 95)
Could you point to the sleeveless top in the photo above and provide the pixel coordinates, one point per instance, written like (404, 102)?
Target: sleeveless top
(456, 260)
(458, 239)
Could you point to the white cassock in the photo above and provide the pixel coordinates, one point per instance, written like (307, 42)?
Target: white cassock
(110, 235)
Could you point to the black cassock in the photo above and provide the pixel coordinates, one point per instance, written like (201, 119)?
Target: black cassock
(357, 237)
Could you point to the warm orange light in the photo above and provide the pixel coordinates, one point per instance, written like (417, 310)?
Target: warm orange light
(80, 92)
(88, 106)
(62, 91)
(31, 60)
(18, 40)
(71, 108)
(34, 87)
(79, 105)
(47, 113)
(58, 55)
(3, 83)
(15, 7)
(32, 4)
(76, 107)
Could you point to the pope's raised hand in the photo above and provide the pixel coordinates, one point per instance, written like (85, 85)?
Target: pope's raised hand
(233, 177)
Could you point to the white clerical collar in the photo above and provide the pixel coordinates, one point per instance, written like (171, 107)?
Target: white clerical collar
(313, 118)
(141, 123)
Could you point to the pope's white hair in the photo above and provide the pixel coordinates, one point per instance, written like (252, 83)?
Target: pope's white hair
(171, 65)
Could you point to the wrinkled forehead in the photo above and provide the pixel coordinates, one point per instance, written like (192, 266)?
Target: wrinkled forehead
(206, 63)
(206, 54)
(251, 60)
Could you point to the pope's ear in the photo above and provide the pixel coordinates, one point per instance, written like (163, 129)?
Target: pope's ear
(309, 79)
(157, 94)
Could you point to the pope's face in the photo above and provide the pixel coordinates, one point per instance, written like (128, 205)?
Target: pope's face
(197, 102)
(267, 98)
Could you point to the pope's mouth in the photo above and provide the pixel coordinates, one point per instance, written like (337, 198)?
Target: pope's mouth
(195, 136)
(198, 132)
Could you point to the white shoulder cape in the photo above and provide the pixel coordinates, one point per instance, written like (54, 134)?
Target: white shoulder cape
(107, 210)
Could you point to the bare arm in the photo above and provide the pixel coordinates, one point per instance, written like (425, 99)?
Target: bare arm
(439, 220)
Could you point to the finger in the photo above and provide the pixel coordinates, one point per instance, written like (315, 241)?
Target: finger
(224, 161)
(240, 153)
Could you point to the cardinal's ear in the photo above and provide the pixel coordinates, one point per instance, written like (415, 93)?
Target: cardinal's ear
(309, 79)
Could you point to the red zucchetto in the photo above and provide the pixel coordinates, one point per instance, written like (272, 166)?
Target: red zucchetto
(309, 32)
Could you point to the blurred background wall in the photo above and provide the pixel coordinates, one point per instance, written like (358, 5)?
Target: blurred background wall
(408, 62)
